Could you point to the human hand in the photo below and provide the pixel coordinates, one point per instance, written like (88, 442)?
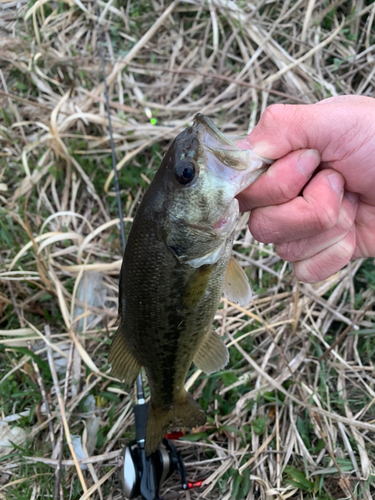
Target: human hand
(327, 151)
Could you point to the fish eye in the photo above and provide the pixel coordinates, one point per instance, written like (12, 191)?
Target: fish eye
(185, 171)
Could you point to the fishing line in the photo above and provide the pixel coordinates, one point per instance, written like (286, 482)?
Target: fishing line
(140, 393)
(114, 166)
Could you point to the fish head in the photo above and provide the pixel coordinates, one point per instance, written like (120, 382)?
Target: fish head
(206, 170)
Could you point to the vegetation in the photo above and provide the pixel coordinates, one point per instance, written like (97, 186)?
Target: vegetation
(293, 415)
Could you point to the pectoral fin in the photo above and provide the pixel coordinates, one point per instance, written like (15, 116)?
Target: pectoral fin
(212, 354)
(237, 286)
(196, 286)
(125, 367)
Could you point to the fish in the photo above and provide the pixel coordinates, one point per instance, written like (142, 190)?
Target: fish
(176, 264)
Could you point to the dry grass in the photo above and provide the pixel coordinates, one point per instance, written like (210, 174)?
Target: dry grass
(294, 415)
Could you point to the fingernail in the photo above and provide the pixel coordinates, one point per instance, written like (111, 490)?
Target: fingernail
(352, 197)
(308, 162)
(337, 183)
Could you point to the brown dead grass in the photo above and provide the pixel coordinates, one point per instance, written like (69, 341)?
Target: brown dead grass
(164, 63)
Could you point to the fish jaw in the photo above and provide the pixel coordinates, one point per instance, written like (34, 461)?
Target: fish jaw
(224, 159)
(238, 169)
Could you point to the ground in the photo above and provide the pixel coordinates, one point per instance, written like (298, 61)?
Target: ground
(292, 416)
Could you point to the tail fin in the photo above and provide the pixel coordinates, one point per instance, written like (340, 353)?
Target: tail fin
(185, 413)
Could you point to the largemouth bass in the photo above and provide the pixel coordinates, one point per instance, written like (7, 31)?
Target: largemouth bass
(176, 264)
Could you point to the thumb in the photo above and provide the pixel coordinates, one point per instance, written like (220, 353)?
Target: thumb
(283, 128)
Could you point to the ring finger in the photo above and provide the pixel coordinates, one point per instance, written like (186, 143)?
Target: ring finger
(327, 262)
(308, 247)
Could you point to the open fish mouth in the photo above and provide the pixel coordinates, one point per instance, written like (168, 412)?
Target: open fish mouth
(212, 138)
(222, 157)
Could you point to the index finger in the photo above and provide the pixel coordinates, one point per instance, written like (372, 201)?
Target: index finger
(282, 182)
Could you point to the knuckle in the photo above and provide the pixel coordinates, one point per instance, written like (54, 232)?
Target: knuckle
(307, 271)
(285, 191)
(273, 113)
(345, 249)
(288, 251)
(345, 220)
(260, 226)
(326, 217)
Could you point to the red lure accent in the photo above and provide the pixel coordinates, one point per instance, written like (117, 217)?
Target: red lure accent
(195, 484)
(174, 435)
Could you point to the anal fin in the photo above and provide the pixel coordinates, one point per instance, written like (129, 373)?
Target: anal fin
(212, 354)
(237, 286)
(125, 367)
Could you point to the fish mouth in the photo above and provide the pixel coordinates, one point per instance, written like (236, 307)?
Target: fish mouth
(223, 158)
(210, 135)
